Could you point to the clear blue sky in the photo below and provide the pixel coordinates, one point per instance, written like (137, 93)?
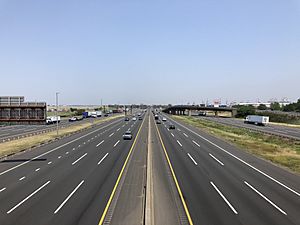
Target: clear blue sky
(156, 51)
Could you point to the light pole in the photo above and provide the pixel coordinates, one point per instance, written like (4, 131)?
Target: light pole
(57, 112)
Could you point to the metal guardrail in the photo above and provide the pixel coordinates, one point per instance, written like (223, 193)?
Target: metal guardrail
(33, 133)
(29, 134)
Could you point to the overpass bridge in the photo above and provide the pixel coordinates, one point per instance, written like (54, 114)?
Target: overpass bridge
(188, 109)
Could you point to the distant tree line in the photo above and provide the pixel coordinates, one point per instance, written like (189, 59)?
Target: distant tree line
(76, 111)
(275, 106)
(244, 110)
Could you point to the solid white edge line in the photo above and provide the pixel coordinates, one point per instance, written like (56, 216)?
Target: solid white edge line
(211, 155)
(79, 159)
(264, 197)
(196, 143)
(70, 195)
(242, 161)
(192, 159)
(116, 143)
(29, 196)
(52, 150)
(179, 143)
(224, 198)
(100, 143)
(102, 158)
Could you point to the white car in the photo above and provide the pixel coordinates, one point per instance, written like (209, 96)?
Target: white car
(127, 135)
(72, 119)
(164, 119)
(134, 118)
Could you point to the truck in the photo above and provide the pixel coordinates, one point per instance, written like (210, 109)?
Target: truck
(99, 113)
(93, 114)
(257, 120)
(86, 114)
(52, 119)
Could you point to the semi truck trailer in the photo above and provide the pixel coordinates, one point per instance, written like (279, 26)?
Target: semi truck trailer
(257, 120)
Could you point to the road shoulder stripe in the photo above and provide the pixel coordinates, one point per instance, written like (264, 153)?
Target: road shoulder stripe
(119, 177)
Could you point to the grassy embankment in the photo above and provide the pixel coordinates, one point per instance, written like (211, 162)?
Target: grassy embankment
(281, 151)
(15, 146)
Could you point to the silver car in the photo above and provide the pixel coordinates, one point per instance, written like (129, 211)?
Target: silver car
(127, 135)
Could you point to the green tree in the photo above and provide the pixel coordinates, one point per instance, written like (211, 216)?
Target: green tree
(275, 106)
(79, 112)
(262, 107)
(298, 105)
(245, 110)
(290, 107)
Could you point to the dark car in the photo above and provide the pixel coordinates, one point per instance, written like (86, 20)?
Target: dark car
(140, 118)
(171, 126)
(158, 122)
(126, 119)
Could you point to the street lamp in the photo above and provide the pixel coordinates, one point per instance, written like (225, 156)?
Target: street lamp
(57, 112)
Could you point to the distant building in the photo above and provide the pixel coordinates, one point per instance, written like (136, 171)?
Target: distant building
(268, 104)
(14, 110)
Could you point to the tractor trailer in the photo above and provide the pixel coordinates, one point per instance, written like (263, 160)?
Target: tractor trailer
(257, 120)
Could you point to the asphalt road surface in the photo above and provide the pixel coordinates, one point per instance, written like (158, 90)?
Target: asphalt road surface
(96, 177)
(7, 132)
(223, 185)
(68, 181)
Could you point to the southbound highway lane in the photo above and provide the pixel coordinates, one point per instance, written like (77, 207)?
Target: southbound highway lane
(66, 182)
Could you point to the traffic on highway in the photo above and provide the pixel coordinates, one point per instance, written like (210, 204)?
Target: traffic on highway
(136, 112)
(196, 176)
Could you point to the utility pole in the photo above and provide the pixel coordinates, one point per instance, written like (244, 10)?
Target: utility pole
(57, 112)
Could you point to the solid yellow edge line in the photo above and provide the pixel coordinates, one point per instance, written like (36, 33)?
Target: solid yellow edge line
(119, 177)
(175, 180)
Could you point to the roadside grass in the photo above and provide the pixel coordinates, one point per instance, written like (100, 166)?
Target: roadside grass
(281, 151)
(15, 146)
(296, 125)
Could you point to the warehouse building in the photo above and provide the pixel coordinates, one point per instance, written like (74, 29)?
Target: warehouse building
(14, 110)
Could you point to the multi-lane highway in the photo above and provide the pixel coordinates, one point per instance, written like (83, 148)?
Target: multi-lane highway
(223, 185)
(15, 130)
(280, 130)
(18, 131)
(161, 176)
(68, 181)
